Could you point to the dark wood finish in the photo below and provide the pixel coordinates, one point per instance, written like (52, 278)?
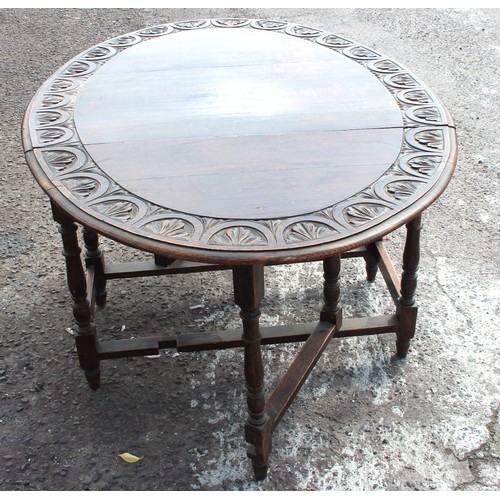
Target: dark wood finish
(214, 148)
(388, 272)
(411, 258)
(335, 143)
(332, 310)
(123, 270)
(374, 325)
(371, 258)
(94, 258)
(290, 384)
(138, 269)
(248, 284)
(276, 114)
(284, 175)
(128, 348)
(230, 339)
(160, 260)
(86, 339)
(358, 252)
(407, 308)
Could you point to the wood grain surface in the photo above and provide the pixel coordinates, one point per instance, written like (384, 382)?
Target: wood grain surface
(238, 124)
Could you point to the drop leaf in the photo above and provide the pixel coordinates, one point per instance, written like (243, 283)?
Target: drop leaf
(130, 458)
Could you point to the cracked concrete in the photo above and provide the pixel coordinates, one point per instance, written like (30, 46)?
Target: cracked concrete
(363, 420)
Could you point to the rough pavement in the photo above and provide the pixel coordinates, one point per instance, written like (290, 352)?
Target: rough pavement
(363, 421)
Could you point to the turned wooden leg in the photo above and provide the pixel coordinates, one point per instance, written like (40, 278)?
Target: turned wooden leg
(248, 292)
(332, 310)
(86, 340)
(371, 259)
(95, 258)
(407, 307)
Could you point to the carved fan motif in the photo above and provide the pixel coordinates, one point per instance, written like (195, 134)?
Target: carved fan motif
(52, 100)
(401, 190)
(124, 41)
(303, 31)
(269, 25)
(333, 41)
(60, 160)
(424, 165)
(432, 139)
(61, 85)
(190, 25)
(48, 117)
(304, 231)
(385, 66)
(357, 215)
(77, 68)
(98, 53)
(174, 228)
(429, 114)
(416, 97)
(49, 135)
(362, 53)
(121, 210)
(82, 187)
(238, 236)
(230, 22)
(155, 30)
(403, 80)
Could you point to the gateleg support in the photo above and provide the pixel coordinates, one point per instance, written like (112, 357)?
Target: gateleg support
(94, 258)
(259, 438)
(371, 259)
(332, 307)
(407, 310)
(86, 338)
(248, 282)
(407, 326)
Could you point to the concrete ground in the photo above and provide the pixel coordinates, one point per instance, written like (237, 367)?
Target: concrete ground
(363, 420)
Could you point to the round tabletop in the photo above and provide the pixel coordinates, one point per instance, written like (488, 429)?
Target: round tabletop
(238, 141)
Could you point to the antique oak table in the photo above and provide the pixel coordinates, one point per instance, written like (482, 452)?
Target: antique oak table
(238, 144)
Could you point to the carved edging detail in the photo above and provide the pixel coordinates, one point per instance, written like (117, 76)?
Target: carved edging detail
(51, 135)
(302, 31)
(359, 214)
(230, 22)
(86, 185)
(428, 114)
(62, 160)
(361, 52)
(58, 146)
(420, 164)
(51, 117)
(172, 225)
(308, 229)
(265, 24)
(333, 41)
(123, 208)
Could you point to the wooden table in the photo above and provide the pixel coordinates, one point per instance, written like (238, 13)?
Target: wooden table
(238, 144)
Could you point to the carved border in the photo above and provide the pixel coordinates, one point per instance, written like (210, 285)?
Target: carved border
(60, 153)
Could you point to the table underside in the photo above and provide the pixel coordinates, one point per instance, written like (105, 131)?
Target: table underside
(88, 289)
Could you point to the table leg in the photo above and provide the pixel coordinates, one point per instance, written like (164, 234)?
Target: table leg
(371, 259)
(248, 292)
(407, 307)
(95, 258)
(332, 310)
(86, 339)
